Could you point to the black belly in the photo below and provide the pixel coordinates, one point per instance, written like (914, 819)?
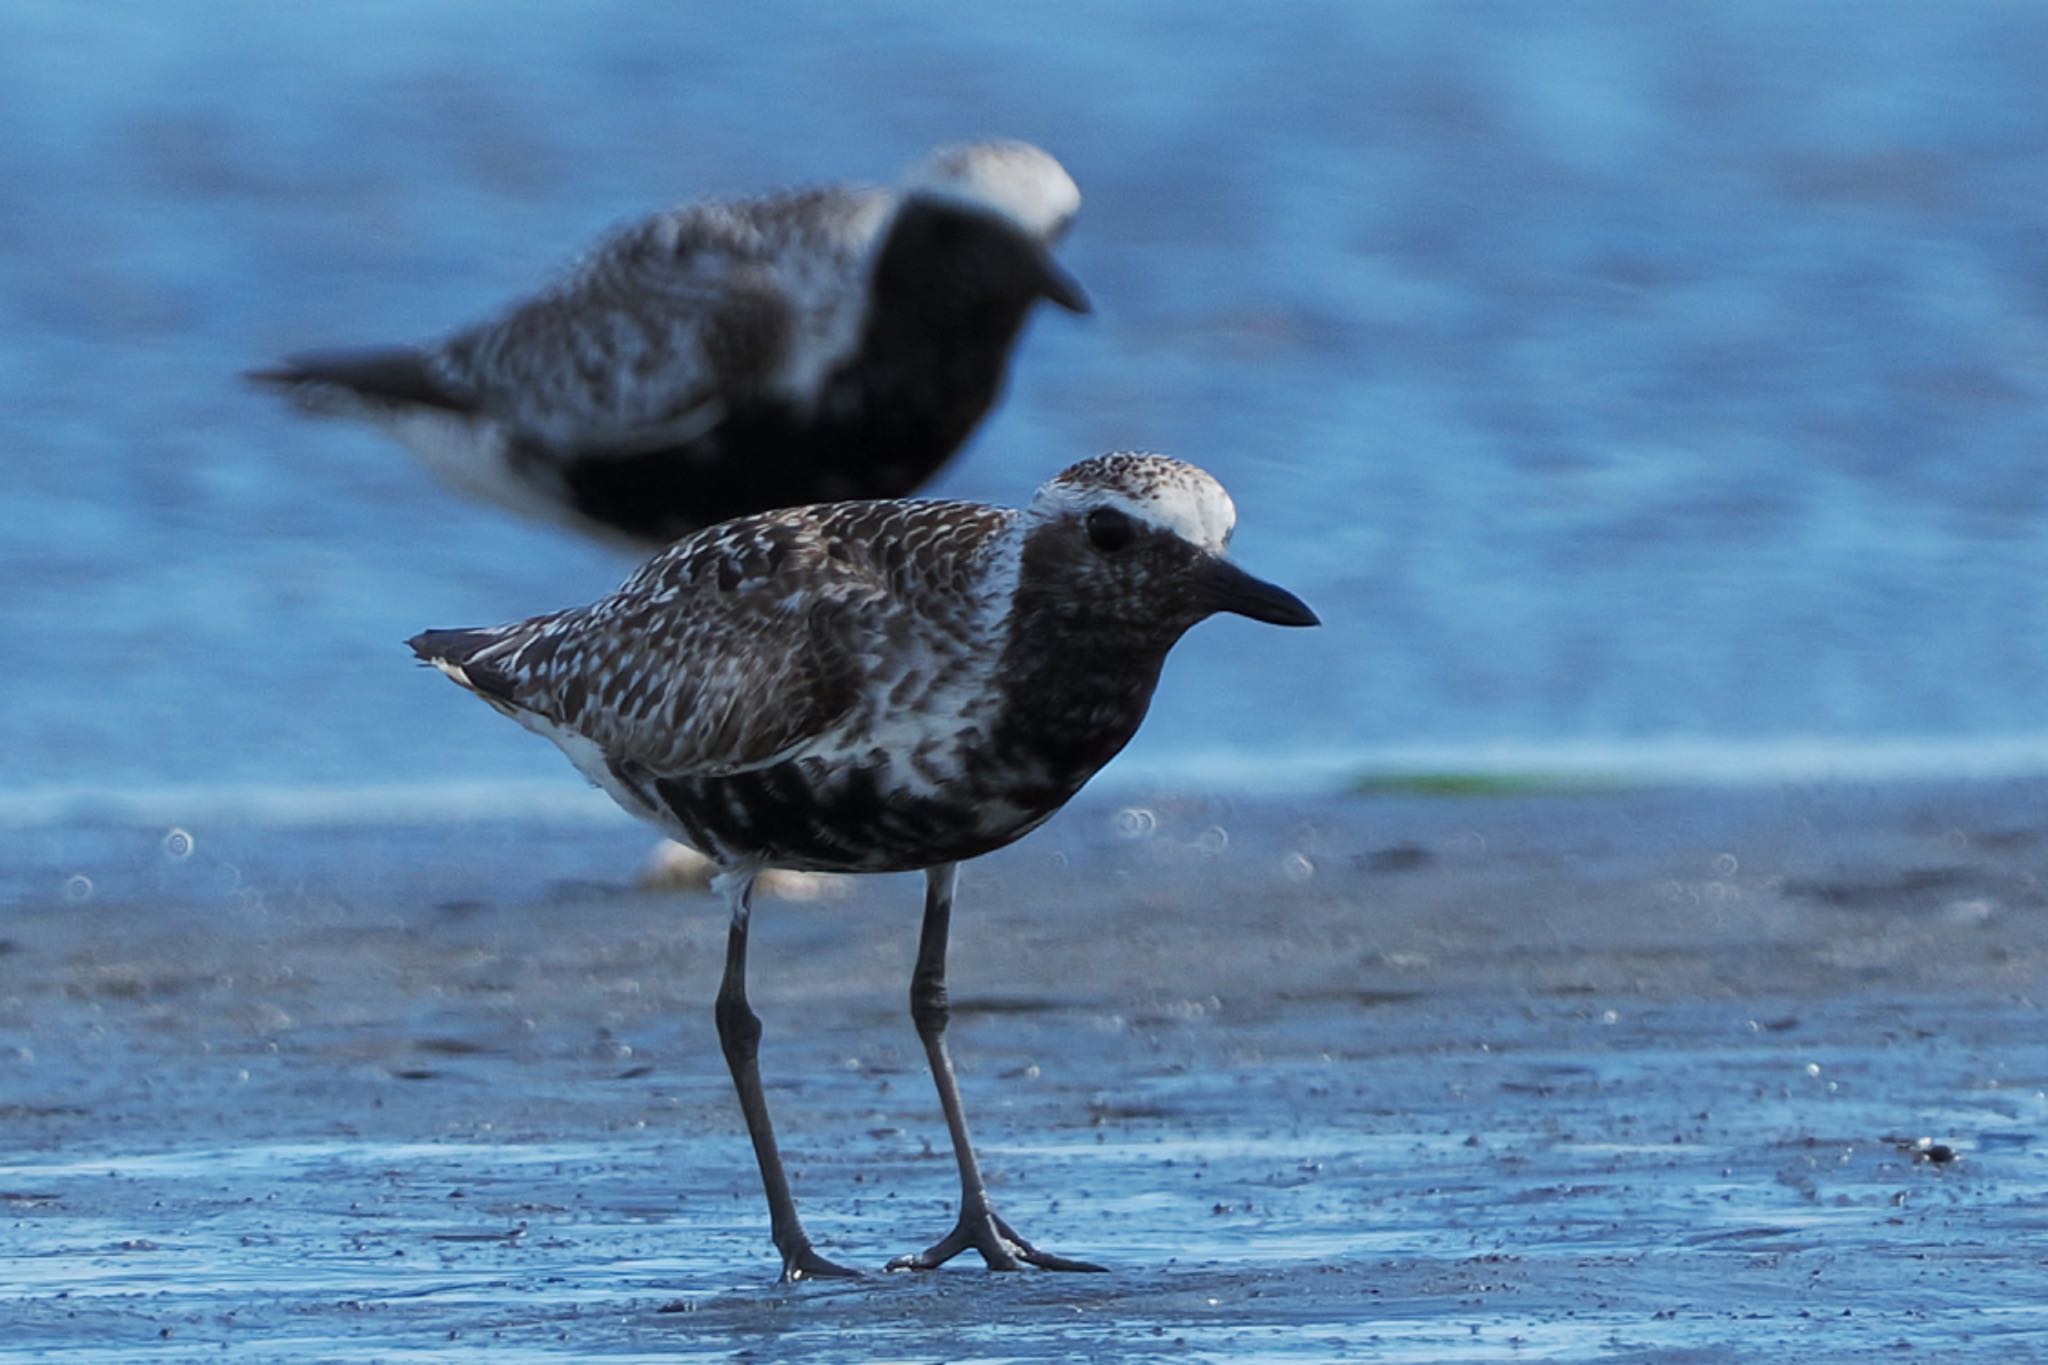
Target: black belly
(756, 464)
(843, 821)
(887, 420)
(768, 456)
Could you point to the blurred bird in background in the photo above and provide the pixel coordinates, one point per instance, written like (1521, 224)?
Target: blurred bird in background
(726, 358)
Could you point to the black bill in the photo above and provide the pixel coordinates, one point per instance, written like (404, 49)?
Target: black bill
(1225, 587)
(1057, 285)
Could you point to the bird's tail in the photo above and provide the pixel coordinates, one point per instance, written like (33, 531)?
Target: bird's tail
(466, 657)
(344, 383)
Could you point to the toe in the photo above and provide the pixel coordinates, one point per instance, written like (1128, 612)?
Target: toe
(807, 1264)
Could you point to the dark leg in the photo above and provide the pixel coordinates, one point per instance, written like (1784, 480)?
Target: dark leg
(978, 1226)
(739, 1033)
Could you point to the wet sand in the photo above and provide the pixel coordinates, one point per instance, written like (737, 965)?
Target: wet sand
(1625, 1075)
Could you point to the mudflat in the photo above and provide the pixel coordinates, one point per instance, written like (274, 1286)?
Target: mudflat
(1725, 1074)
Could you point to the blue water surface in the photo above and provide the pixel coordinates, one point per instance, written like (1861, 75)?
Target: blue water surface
(1609, 375)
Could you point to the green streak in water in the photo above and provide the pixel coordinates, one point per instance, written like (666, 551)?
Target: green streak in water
(1475, 785)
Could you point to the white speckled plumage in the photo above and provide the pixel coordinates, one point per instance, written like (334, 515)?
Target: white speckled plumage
(1173, 497)
(739, 646)
(874, 687)
(848, 636)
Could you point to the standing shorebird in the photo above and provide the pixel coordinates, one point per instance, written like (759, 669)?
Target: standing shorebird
(728, 358)
(876, 687)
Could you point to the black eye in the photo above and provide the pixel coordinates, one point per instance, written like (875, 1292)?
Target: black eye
(1110, 529)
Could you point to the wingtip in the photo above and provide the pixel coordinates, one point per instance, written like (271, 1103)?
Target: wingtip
(338, 382)
(435, 647)
(452, 653)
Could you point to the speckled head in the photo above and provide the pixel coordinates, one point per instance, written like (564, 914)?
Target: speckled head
(1013, 181)
(1141, 538)
(1157, 490)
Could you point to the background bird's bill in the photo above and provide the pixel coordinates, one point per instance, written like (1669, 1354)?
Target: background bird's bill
(1059, 286)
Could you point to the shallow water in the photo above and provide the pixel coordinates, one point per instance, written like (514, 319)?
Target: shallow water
(1599, 375)
(1624, 1076)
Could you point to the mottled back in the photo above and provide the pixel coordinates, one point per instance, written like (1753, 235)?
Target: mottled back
(673, 319)
(745, 643)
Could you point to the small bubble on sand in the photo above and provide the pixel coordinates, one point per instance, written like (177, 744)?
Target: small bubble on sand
(178, 844)
(78, 888)
(1727, 864)
(1297, 867)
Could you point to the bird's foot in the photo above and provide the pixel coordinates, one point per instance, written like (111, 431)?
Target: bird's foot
(802, 1262)
(997, 1242)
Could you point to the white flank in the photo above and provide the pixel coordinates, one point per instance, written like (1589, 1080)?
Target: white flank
(828, 296)
(468, 453)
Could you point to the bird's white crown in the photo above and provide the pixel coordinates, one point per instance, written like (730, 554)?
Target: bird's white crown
(1014, 181)
(1156, 490)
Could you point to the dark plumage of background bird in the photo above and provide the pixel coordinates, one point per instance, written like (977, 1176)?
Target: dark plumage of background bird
(876, 687)
(726, 358)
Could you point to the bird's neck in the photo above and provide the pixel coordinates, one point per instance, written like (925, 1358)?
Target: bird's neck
(950, 288)
(1075, 687)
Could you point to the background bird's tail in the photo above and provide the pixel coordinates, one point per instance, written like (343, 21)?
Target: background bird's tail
(342, 382)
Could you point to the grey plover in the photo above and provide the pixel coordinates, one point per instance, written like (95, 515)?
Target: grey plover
(876, 687)
(726, 358)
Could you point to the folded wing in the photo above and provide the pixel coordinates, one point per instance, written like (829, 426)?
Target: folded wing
(674, 321)
(732, 650)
